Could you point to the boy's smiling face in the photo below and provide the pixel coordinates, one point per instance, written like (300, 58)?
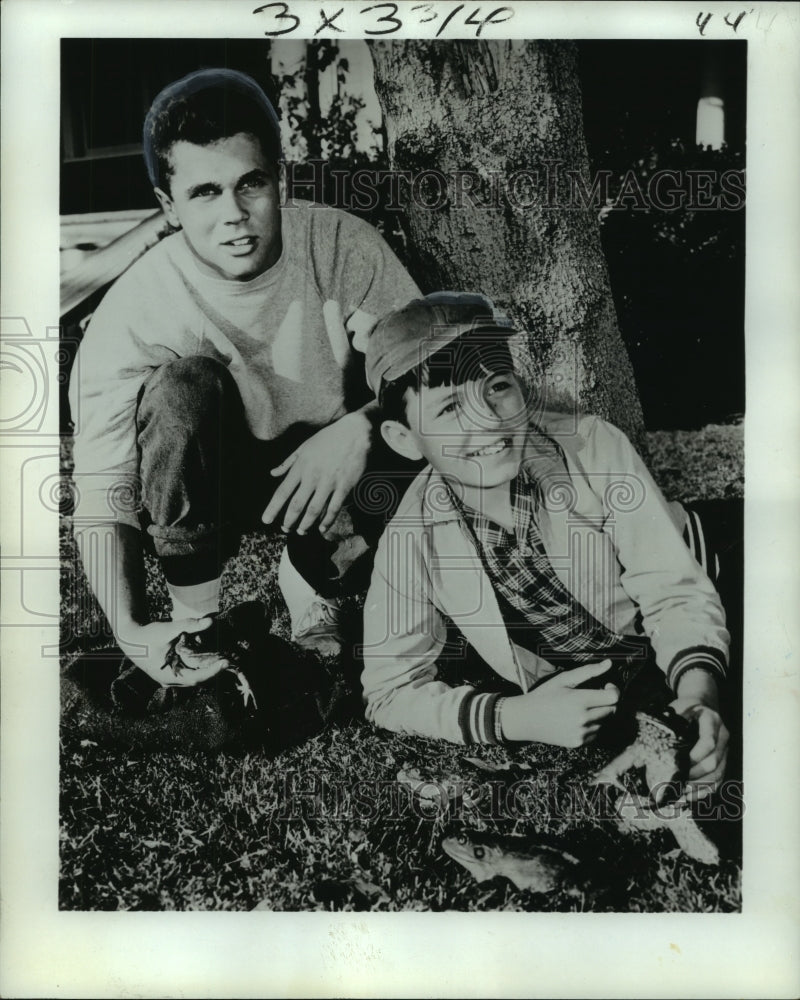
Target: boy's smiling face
(225, 197)
(472, 432)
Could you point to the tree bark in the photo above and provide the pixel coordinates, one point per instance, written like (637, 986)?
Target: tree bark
(490, 137)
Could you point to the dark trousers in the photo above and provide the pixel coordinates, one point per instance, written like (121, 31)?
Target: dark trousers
(205, 480)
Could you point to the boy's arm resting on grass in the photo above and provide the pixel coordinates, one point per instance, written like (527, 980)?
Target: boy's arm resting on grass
(681, 610)
(404, 636)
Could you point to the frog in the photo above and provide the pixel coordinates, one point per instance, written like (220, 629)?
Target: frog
(661, 744)
(532, 866)
(221, 645)
(268, 691)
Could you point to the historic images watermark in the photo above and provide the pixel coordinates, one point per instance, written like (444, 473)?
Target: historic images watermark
(553, 185)
(542, 799)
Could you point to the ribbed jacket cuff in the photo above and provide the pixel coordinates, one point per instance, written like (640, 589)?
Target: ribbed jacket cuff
(698, 657)
(476, 718)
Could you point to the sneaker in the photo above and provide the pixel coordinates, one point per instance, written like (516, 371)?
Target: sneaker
(319, 628)
(315, 619)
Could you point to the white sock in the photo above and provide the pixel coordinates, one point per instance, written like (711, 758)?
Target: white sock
(195, 601)
(297, 592)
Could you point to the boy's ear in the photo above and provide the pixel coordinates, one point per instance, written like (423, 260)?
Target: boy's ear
(169, 208)
(400, 439)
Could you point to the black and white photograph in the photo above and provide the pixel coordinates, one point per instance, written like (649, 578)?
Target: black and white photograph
(392, 494)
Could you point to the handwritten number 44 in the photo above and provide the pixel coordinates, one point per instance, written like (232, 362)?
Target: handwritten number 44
(702, 20)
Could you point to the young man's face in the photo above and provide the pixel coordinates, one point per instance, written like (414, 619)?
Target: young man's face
(473, 432)
(225, 198)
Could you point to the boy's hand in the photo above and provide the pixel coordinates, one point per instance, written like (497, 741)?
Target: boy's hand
(710, 754)
(558, 712)
(698, 698)
(148, 645)
(320, 474)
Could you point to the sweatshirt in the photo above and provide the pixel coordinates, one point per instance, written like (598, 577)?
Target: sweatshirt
(290, 337)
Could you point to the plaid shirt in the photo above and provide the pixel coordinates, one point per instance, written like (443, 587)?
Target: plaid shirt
(561, 629)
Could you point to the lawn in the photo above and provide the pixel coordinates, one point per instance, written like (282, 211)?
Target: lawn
(325, 825)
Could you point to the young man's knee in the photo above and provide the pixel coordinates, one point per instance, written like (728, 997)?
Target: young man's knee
(187, 389)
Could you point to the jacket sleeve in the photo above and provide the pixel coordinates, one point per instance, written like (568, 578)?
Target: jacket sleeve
(404, 634)
(680, 608)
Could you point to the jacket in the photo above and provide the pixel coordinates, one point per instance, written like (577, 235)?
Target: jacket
(612, 538)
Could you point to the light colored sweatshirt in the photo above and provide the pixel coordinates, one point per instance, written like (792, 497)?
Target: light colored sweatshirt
(287, 337)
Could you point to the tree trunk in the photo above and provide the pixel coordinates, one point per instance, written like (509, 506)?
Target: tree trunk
(491, 137)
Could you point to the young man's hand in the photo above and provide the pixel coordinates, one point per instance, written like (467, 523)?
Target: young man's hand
(148, 645)
(558, 712)
(320, 474)
(698, 699)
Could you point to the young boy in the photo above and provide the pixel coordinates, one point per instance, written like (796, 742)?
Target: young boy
(544, 540)
(215, 385)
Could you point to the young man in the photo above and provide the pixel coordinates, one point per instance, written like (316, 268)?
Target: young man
(545, 541)
(218, 382)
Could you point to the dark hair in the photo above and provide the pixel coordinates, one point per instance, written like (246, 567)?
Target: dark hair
(226, 104)
(470, 356)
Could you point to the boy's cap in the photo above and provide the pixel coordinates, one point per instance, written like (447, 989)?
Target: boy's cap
(403, 339)
(230, 80)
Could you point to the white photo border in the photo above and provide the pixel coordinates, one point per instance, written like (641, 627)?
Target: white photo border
(68, 954)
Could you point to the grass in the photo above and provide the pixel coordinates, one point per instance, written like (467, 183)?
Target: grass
(699, 465)
(325, 825)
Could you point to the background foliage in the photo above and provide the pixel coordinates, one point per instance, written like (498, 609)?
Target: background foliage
(677, 276)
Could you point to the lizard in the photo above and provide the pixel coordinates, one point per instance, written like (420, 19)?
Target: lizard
(661, 746)
(635, 812)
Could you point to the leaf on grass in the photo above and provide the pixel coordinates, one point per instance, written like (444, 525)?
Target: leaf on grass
(432, 793)
(372, 892)
(484, 765)
(339, 892)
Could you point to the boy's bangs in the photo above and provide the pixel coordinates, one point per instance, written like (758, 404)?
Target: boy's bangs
(471, 357)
